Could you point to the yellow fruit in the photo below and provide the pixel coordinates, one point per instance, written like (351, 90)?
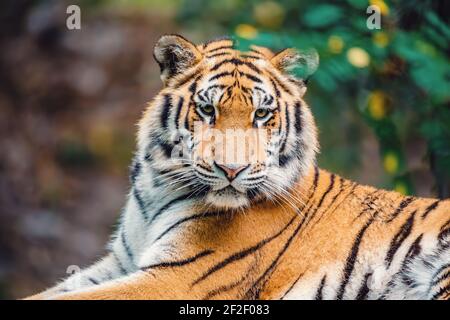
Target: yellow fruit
(381, 39)
(377, 105)
(358, 57)
(384, 9)
(246, 31)
(335, 44)
(390, 163)
(269, 14)
(401, 188)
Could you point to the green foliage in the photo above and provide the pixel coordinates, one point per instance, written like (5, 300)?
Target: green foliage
(396, 79)
(322, 15)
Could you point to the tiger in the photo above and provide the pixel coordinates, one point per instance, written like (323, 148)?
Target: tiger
(198, 225)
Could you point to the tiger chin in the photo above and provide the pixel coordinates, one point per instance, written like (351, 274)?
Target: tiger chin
(207, 220)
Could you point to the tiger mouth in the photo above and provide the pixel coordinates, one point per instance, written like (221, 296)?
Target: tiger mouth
(228, 198)
(229, 190)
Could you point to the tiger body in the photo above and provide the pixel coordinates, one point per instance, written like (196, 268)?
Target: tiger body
(272, 229)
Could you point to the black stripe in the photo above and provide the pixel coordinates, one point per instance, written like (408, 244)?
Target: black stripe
(319, 293)
(169, 204)
(208, 169)
(186, 119)
(249, 56)
(341, 189)
(148, 156)
(179, 263)
(218, 39)
(297, 83)
(445, 225)
(242, 254)
(165, 110)
(213, 86)
(226, 93)
(193, 87)
(351, 259)
(279, 83)
(291, 287)
(398, 239)
(178, 112)
(201, 95)
(317, 207)
(188, 77)
(258, 52)
(166, 147)
(220, 48)
(219, 54)
(225, 288)
(122, 270)
(141, 204)
(251, 66)
(286, 135)
(430, 208)
(414, 250)
(236, 62)
(298, 117)
(93, 281)
(108, 276)
(221, 75)
(401, 207)
(283, 160)
(201, 174)
(249, 76)
(364, 289)
(316, 178)
(183, 220)
(444, 231)
(275, 87)
(330, 187)
(135, 171)
(126, 247)
(232, 285)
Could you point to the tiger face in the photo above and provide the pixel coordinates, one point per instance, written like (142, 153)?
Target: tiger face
(229, 126)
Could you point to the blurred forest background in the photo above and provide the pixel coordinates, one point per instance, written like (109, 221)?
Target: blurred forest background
(69, 102)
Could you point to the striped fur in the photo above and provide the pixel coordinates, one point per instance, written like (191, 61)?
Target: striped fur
(282, 229)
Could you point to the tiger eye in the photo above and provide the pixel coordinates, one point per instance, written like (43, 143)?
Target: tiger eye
(261, 113)
(208, 109)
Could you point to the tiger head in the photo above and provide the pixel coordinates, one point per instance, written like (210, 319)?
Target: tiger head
(228, 126)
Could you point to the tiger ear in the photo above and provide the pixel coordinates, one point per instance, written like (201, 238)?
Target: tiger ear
(174, 54)
(300, 64)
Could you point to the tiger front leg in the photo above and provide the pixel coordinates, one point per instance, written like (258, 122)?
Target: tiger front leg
(107, 269)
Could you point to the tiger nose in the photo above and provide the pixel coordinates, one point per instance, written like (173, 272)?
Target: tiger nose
(231, 172)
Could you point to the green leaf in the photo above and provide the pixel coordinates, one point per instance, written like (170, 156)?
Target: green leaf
(322, 15)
